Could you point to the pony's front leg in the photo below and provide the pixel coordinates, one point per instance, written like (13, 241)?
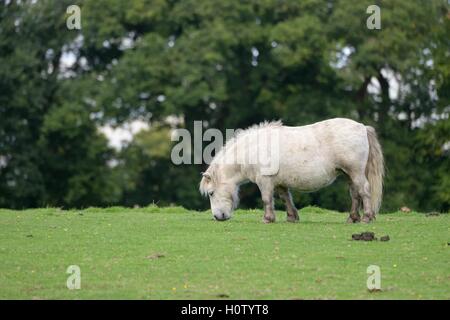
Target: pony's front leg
(269, 214)
(267, 198)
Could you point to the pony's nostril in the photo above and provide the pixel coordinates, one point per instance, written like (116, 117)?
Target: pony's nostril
(220, 216)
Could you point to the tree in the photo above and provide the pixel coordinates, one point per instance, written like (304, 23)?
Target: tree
(50, 151)
(236, 63)
(148, 175)
(230, 64)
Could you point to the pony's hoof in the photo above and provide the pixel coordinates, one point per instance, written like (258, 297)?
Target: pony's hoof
(367, 219)
(292, 219)
(269, 219)
(351, 219)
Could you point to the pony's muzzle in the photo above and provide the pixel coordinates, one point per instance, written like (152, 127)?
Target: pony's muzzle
(221, 216)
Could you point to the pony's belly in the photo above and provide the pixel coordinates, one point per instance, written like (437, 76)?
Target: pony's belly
(310, 184)
(307, 186)
(308, 178)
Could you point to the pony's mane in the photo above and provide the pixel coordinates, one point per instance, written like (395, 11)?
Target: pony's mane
(263, 125)
(245, 132)
(212, 169)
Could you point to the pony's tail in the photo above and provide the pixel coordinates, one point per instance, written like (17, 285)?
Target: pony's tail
(375, 169)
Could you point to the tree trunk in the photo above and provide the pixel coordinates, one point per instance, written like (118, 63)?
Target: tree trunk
(385, 103)
(360, 98)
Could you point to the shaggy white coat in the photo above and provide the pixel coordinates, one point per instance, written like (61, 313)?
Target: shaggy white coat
(306, 158)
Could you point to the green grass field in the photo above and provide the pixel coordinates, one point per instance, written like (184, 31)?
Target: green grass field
(173, 253)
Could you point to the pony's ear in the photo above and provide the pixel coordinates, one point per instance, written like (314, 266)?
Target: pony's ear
(206, 176)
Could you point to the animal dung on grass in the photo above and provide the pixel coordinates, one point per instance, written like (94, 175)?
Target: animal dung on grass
(365, 236)
(155, 256)
(368, 236)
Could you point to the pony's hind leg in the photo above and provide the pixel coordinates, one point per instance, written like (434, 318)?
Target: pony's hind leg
(356, 204)
(285, 195)
(363, 188)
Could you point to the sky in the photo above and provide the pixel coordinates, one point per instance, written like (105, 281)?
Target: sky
(120, 136)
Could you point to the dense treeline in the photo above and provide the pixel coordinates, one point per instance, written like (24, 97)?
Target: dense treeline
(229, 63)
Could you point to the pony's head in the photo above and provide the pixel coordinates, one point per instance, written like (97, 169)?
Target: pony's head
(222, 193)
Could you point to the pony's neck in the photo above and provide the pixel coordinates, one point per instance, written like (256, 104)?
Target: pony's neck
(229, 160)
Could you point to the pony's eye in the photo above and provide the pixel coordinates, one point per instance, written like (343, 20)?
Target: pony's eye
(211, 193)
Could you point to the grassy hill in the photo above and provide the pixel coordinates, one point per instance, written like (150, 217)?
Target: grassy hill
(173, 253)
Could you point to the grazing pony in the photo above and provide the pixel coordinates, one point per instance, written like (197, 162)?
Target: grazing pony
(306, 158)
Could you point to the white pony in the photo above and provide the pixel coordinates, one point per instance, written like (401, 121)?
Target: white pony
(306, 158)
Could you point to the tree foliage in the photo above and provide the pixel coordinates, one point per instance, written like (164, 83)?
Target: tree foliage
(228, 63)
